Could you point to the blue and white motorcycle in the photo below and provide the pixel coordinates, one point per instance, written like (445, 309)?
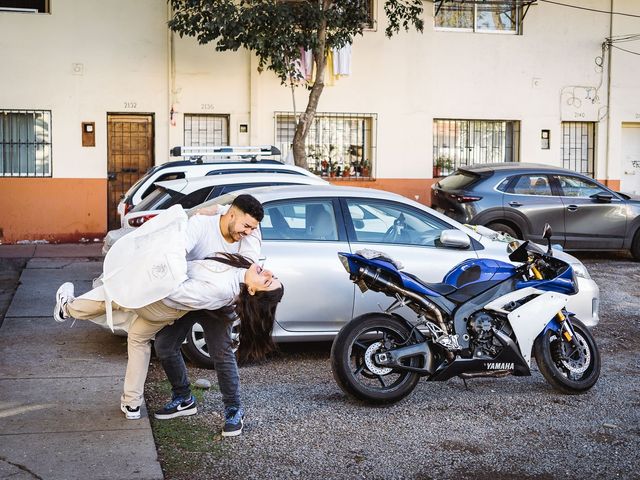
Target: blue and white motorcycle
(487, 318)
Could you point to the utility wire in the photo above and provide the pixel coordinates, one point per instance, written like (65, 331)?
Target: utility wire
(625, 50)
(591, 9)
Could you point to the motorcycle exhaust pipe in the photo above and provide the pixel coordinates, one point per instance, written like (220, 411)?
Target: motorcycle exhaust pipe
(377, 278)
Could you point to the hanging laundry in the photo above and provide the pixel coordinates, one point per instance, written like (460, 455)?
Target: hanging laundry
(342, 60)
(329, 77)
(307, 61)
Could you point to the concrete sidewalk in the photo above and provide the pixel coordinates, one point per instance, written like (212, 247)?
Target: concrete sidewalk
(60, 385)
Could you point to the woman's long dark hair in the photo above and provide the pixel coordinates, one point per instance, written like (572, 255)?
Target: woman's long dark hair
(257, 313)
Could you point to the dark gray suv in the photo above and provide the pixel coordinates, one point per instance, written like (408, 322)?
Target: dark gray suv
(519, 198)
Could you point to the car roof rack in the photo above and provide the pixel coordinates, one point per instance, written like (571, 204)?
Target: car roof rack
(196, 153)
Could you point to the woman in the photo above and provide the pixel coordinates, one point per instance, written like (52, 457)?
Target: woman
(227, 279)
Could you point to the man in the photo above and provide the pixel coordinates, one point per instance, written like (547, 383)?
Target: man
(235, 231)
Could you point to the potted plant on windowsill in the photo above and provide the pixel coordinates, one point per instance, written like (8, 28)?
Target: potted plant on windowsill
(442, 166)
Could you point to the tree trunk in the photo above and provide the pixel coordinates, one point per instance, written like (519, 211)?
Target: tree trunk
(306, 118)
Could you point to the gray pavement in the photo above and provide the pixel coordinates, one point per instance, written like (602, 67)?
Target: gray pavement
(60, 384)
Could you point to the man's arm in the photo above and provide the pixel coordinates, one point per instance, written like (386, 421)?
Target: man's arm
(251, 246)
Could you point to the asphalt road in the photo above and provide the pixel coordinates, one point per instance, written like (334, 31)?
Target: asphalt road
(300, 425)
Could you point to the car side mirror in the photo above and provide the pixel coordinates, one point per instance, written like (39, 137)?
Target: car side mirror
(454, 239)
(602, 197)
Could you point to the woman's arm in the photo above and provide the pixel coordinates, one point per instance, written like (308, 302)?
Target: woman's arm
(208, 287)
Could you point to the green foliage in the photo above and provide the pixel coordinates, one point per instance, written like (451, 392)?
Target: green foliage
(275, 30)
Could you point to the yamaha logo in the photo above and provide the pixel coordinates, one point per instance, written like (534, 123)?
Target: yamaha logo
(499, 366)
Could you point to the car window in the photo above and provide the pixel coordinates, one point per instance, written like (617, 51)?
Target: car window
(195, 198)
(162, 178)
(393, 223)
(155, 198)
(458, 180)
(532, 184)
(299, 220)
(240, 186)
(578, 187)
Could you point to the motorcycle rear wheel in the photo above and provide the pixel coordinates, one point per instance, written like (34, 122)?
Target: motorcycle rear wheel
(353, 363)
(567, 370)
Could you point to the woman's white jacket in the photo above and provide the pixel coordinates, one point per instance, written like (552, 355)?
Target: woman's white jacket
(143, 267)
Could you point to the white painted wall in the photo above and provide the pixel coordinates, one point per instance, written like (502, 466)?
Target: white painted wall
(121, 46)
(407, 81)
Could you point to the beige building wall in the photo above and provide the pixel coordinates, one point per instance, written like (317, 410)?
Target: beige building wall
(88, 58)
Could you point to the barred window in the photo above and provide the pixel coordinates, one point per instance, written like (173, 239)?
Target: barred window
(578, 147)
(206, 130)
(338, 144)
(25, 6)
(463, 142)
(494, 17)
(25, 143)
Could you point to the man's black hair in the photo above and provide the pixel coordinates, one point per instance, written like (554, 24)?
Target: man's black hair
(249, 205)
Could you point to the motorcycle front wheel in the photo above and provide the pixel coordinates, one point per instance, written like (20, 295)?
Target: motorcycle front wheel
(568, 368)
(353, 359)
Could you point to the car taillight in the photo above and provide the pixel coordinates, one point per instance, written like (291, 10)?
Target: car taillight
(127, 208)
(464, 198)
(137, 221)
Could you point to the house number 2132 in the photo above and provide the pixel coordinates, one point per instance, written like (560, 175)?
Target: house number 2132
(130, 104)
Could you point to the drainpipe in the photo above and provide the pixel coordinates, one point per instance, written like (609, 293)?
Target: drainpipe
(608, 139)
(171, 76)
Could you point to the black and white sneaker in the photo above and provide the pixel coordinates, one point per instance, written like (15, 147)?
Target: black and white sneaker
(233, 421)
(130, 412)
(178, 407)
(64, 295)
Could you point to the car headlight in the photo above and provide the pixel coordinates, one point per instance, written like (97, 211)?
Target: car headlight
(580, 270)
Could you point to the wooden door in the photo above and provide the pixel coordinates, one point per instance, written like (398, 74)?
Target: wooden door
(130, 154)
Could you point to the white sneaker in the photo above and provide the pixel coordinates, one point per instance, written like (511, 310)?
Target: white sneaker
(63, 296)
(130, 412)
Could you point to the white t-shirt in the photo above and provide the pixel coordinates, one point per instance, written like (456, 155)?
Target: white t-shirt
(211, 285)
(204, 239)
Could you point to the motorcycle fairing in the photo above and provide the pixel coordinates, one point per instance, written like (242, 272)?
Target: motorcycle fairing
(565, 283)
(508, 355)
(474, 270)
(531, 318)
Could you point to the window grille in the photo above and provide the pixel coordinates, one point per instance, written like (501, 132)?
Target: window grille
(578, 147)
(464, 142)
(25, 143)
(206, 130)
(494, 17)
(338, 144)
(25, 6)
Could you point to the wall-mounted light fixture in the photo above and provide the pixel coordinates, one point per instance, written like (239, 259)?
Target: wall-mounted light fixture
(545, 139)
(88, 134)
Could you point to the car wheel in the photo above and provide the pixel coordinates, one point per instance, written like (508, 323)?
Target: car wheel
(502, 228)
(635, 246)
(195, 347)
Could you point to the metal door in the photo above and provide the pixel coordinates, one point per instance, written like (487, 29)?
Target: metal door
(630, 180)
(130, 154)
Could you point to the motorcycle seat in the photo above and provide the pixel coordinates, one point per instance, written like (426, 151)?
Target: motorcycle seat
(443, 289)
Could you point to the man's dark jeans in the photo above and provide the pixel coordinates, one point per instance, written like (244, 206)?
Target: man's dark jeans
(217, 335)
